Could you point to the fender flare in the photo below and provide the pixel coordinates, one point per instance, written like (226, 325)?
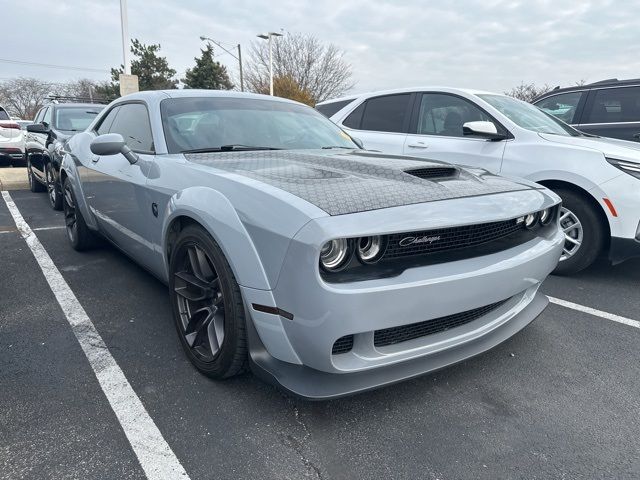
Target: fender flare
(69, 171)
(215, 213)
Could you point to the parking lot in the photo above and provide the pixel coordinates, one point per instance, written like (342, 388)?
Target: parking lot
(558, 400)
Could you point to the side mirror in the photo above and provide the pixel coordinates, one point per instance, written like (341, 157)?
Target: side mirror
(486, 130)
(112, 144)
(358, 142)
(37, 128)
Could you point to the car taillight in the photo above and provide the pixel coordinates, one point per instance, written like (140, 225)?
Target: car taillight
(10, 125)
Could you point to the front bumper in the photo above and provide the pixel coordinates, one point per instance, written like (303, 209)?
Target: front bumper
(622, 249)
(313, 384)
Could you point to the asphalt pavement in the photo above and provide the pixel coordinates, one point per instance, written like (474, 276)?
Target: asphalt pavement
(558, 400)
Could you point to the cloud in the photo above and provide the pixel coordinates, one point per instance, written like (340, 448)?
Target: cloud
(488, 44)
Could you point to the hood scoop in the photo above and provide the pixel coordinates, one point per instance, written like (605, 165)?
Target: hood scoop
(431, 173)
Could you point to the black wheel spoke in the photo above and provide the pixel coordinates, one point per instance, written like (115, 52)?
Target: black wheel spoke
(191, 287)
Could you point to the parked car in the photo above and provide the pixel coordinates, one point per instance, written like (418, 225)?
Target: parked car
(328, 269)
(52, 126)
(24, 123)
(597, 178)
(609, 108)
(11, 141)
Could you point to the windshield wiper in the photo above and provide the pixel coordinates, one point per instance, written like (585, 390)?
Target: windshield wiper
(338, 146)
(228, 148)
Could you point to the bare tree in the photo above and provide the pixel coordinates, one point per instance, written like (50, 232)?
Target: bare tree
(527, 91)
(83, 88)
(318, 69)
(23, 97)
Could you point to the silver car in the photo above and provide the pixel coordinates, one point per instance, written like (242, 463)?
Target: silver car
(324, 268)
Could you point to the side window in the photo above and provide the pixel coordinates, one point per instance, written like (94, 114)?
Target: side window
(444, 115)
(386, 114)
(562, 106)
(107, 121)
(132, 122)
(612, 105)
(354, 119)
(47, 116)
(330, 109)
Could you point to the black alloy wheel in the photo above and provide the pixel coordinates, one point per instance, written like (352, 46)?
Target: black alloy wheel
(53, 190)
(207, 305)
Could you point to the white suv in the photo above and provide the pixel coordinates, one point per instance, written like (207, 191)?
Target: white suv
(12, 148)
(597, 178)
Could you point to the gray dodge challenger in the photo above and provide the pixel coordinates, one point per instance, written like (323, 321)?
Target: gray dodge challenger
(324, 268)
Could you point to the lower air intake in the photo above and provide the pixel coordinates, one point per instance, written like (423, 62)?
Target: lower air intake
(343, 345)
(391, 336)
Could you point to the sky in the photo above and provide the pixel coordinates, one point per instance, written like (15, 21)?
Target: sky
(489, 44)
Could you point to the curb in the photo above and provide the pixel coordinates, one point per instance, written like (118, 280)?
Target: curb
(13, 179)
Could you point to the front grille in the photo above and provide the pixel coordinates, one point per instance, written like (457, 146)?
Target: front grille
(391, 336)
(343, 345)
(452, 238)
(432, 172)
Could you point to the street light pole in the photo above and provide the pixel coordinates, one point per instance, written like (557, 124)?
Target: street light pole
(239, 57)
(269, 36)
(124, 22)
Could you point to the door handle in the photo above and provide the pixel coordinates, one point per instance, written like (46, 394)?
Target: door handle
(418, 145)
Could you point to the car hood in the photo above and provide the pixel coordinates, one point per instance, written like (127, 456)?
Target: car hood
(357, 181)
(610, 147)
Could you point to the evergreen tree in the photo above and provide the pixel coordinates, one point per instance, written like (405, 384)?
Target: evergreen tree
(153, 71)
(207, 73)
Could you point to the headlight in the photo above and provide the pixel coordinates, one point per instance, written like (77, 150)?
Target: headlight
(545, 216)
(530, 220)
(370, 249)
(627, 167)
(335, 254)
(57, 148)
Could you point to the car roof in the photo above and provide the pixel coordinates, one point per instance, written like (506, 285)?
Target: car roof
(188, 92)
(611, 82)
(433, 88)
(73, 104)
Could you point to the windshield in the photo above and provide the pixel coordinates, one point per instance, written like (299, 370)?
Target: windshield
(529, 116)
(74, 119)
(210, 123)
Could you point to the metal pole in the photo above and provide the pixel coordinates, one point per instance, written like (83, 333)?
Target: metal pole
(270, 67)
(124, 21)
(240, 62)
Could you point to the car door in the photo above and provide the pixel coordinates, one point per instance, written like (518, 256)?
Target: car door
(116, 189)
(382, 122)
(37, 144)
(437, 134)
(613, 112)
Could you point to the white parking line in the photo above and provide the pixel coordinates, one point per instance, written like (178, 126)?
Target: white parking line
(154, 454)
(597, 313)
(56, 227)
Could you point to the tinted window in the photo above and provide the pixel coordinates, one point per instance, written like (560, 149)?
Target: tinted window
(47, 116)
(3, 114)
(39, 116)
(330, 109)
(386, 114)
(213, 123)
(562, 106)
(354, 119)
(74, 119)
(107, 121)
(132, 122)
(442, 114)
(612, 105)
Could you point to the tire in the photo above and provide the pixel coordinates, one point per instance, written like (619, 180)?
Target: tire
(207, 305)
(34, 185)
(79, 235)
(53, 188)
(592, 237)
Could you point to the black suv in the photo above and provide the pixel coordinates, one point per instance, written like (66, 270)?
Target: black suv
(53, 124)
(610, 108)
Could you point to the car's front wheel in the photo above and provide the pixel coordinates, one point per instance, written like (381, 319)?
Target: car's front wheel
(34, 184)
(53, 188)
(207, 305)
(583, 233)
(79, 235)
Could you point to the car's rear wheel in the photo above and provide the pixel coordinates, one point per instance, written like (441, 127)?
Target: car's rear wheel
(53, 188)
(34, 185)
(79, 235)
(583, 233)
(207, 305)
